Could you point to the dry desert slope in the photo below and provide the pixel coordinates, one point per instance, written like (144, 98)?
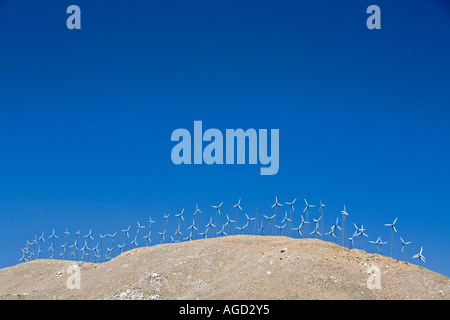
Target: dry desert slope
(233, 267)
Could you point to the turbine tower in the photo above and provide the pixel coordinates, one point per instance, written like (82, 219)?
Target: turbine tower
(180, 216)
(392, 226)
(291, 210)
(321, 208)
(52, 236)
(217, 216)
(307, 213)
(276, 204)
(196, 214)
(238, 207)
(344, 214)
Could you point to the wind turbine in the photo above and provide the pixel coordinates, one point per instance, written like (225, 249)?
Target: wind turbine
(112, 241)
(217, 215)
(307, 213)
(336, 226)
(189, 237)
(360, 232)
(101, 236)
(249, 219)
(331, 232)
(350, 240)
(196, 214)
(301, 225)
(268, 220)
(377, 242)
(321, 209)
(109, 253)
(139, 227)
(287, 219)
(63, 253)
(280, 228)
(257, 220)
(41, 239)
(381, 246)
(291, 210)
(344, 214)
(261, 229)
(192, 226)
(165, 217)
(419, 256)
(135, 241)
(316, 232)
(228, 222)
(89, 236)
(147, 238)
(392, 226)
(66, 234)
(180, 216)
(238, 207)
(126, 233)
(163, 236)
(403, 247)
(222, 232)
(316, 229)
(276, 204)
(53, 236)
(208, 225)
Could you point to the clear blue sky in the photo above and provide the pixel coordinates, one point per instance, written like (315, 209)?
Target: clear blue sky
(86, 115)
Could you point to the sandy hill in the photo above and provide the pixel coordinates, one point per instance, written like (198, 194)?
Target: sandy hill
(233, 267)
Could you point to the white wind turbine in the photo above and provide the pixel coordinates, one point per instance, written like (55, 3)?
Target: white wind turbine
(53, 236)
(350, 240)
(331, 232)
(89, 237)
(360, 232)
(101, 244)
(238, 207)
(139, 227)
(147, 239)
(287, 219)
(403, 247)
(381, 246)
(280, 228)
(135, 241)
(321, 209)
(307, 206)
(316, 229)
(344, 214)
(336, 226)
(392, 226)
(229, 221)
(377, 242)
(275, 205)
(249, 220)
(163, 236)
(268, 220)
(419, 256)
(192, 227)
(180, 216)
(209, 225)
(126, 233)
(217, 215)
(165, 217)
(41, 239)
(301, 225)
(112, 236)
(291, 210)
(196, 214)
